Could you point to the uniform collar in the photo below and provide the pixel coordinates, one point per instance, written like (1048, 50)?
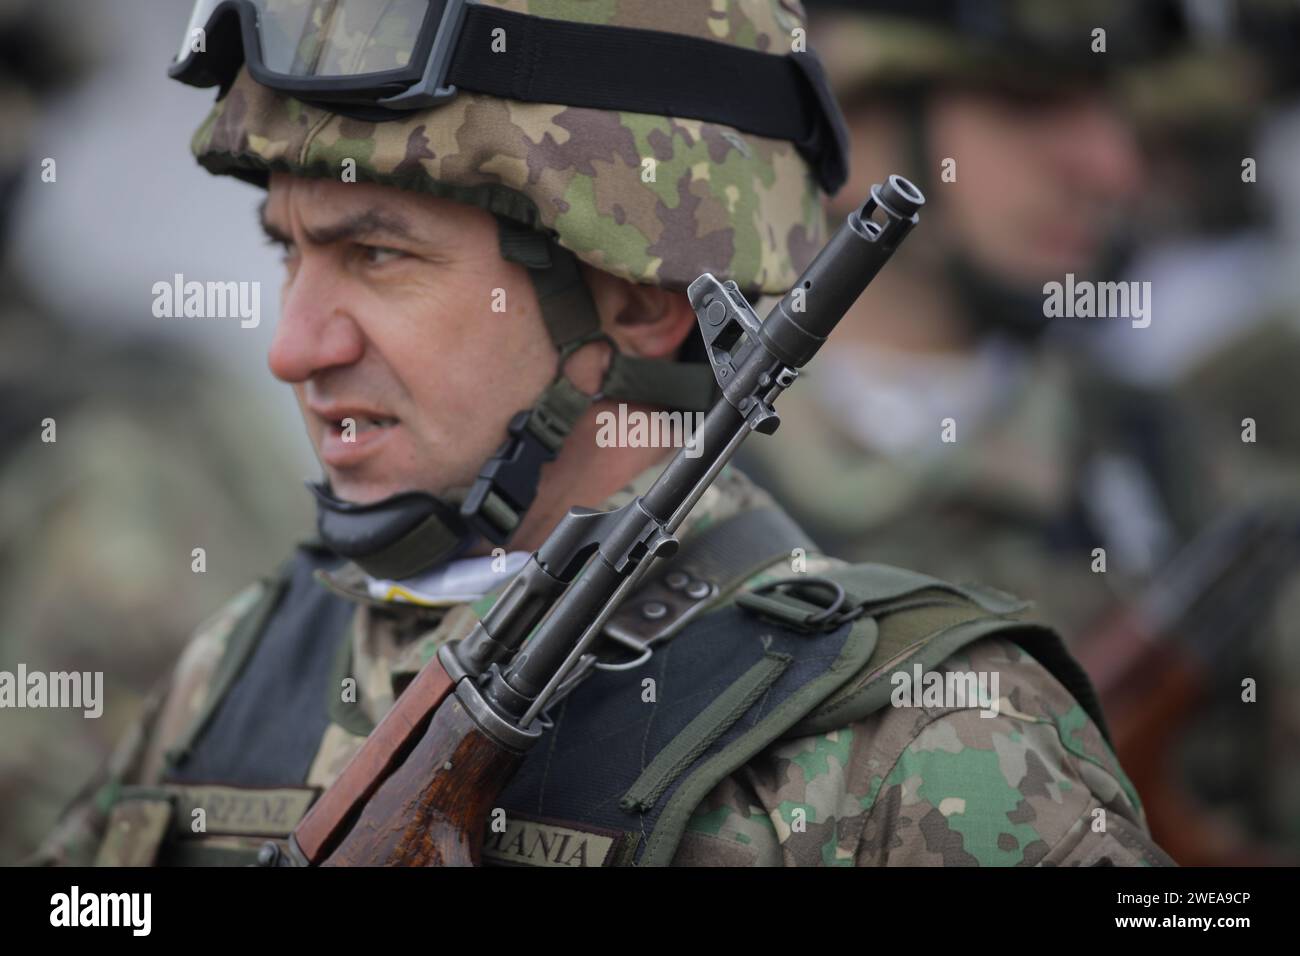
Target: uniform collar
(472, 580)
(393, 639)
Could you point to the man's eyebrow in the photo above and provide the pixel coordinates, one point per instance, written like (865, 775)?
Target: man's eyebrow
(371, 222)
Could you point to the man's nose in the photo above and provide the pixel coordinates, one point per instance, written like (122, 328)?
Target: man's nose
(1100, 150)
(315, 331)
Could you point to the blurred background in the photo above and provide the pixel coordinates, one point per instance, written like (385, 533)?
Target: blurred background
(1103, 466)
(1075, 381)
(169, 433)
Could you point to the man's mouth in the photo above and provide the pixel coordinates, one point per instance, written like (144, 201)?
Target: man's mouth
(337, 416)
(361, 423)
(352, 434)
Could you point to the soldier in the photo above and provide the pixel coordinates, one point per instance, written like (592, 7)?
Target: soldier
(943, 431)
(506, 260)
(118, 458)
(949, 429)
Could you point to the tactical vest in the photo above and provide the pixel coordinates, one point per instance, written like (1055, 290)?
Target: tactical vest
(738, 662)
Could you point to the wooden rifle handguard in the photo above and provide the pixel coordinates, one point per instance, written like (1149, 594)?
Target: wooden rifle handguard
(433, 810)
(393, 738)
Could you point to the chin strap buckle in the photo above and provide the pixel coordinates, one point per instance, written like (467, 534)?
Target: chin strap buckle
(507, 484)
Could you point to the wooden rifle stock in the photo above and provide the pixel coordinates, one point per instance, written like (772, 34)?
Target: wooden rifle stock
(1153, 663)
(388, 744)
(1148, 690)
(433, 810)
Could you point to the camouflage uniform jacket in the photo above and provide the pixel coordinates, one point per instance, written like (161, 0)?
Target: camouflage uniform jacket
(923, 785)
(1065, 462)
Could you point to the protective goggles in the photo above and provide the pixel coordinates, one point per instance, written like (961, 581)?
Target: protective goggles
(390, 56)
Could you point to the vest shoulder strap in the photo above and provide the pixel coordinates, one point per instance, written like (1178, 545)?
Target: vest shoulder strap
(922, 620)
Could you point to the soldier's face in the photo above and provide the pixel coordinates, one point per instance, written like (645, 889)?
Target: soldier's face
(387, 319)
(1029, 187)
(1040, 180)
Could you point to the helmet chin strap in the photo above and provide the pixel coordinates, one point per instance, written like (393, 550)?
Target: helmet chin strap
(412, 531)
(394, 538)
(994, 306)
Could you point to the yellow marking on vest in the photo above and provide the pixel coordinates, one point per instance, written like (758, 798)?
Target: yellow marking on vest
(397, 593)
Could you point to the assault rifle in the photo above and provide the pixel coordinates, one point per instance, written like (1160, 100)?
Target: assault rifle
(419, 791)
(1155, 661)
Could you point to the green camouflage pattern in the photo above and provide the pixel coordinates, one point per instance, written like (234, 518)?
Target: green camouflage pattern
(989, 506)
(935, 787)
(650, 199)
(156, 454)
(901, 786)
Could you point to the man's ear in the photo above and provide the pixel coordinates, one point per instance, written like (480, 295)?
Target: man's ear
(644, 320)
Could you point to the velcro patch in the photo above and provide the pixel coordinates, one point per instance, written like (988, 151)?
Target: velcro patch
(539, 842)
(241, 811)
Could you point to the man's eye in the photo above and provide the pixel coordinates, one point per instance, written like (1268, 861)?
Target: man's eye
(378, 255)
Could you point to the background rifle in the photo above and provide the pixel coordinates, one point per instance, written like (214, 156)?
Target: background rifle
(1154, 662)
(420, 789)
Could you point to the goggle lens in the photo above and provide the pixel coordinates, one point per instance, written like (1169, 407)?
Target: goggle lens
(322, 38)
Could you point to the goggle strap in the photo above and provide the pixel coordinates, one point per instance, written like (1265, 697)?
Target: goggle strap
(600, 67)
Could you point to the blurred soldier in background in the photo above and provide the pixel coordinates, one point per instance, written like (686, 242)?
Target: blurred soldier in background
(117, 460)
(1243, 760)
(961, 444)
(947, 430)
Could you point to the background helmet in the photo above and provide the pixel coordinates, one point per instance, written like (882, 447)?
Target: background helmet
(1177, 70)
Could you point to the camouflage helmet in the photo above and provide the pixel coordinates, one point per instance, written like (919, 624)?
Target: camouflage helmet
(647, 197)
(1160, 56)
(652, 199)
(898, 42)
